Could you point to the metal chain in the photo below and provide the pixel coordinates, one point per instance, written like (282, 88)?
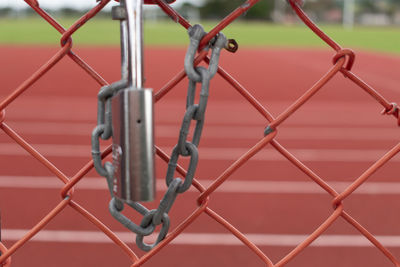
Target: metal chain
(184, 147)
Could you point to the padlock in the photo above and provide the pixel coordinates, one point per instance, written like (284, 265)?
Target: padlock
(132, 116)
(133, 145)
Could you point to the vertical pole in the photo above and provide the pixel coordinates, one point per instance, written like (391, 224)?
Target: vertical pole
(124, 50)
(132, 115)
(134, 15)
(278, 12)
(348, 14)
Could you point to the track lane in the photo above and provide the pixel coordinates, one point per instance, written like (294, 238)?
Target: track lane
(340, 117)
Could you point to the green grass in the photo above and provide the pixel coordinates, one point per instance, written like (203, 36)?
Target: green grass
(102, 31)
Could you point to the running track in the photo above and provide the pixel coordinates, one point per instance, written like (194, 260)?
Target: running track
(339, 134)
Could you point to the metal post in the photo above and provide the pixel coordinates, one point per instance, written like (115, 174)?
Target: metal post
(132, 116)
(348, 14)
(135, 27)
(278, 12)
(124, 50)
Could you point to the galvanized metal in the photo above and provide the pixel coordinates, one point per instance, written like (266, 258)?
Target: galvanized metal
(134, 12)
(125, 112)
(133, 145)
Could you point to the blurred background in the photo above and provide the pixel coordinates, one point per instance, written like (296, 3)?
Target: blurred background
(339, 134)
(360, 24)
(346, 12)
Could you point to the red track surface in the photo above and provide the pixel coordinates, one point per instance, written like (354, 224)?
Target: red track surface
(339, 134)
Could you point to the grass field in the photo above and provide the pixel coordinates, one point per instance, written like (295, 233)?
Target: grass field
(102, 31)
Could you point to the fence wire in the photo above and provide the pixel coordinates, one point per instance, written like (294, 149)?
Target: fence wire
(342, 63)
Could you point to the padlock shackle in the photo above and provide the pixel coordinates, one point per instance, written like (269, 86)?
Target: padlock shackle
(124, 50)
(134, 49)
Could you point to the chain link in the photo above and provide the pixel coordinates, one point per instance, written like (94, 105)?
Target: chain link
(185, 148)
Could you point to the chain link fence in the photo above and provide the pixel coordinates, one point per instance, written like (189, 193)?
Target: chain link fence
(343, 61)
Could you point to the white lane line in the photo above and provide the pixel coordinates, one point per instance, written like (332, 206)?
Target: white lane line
(216, 153)
(208, 239)
(241, 186)
(222, 132)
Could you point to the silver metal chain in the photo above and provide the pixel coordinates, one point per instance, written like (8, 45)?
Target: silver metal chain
(185, 148)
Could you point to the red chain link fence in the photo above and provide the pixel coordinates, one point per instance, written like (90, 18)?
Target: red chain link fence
(342, 63)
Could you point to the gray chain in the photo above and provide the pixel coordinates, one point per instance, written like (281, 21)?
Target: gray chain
(184, 147)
